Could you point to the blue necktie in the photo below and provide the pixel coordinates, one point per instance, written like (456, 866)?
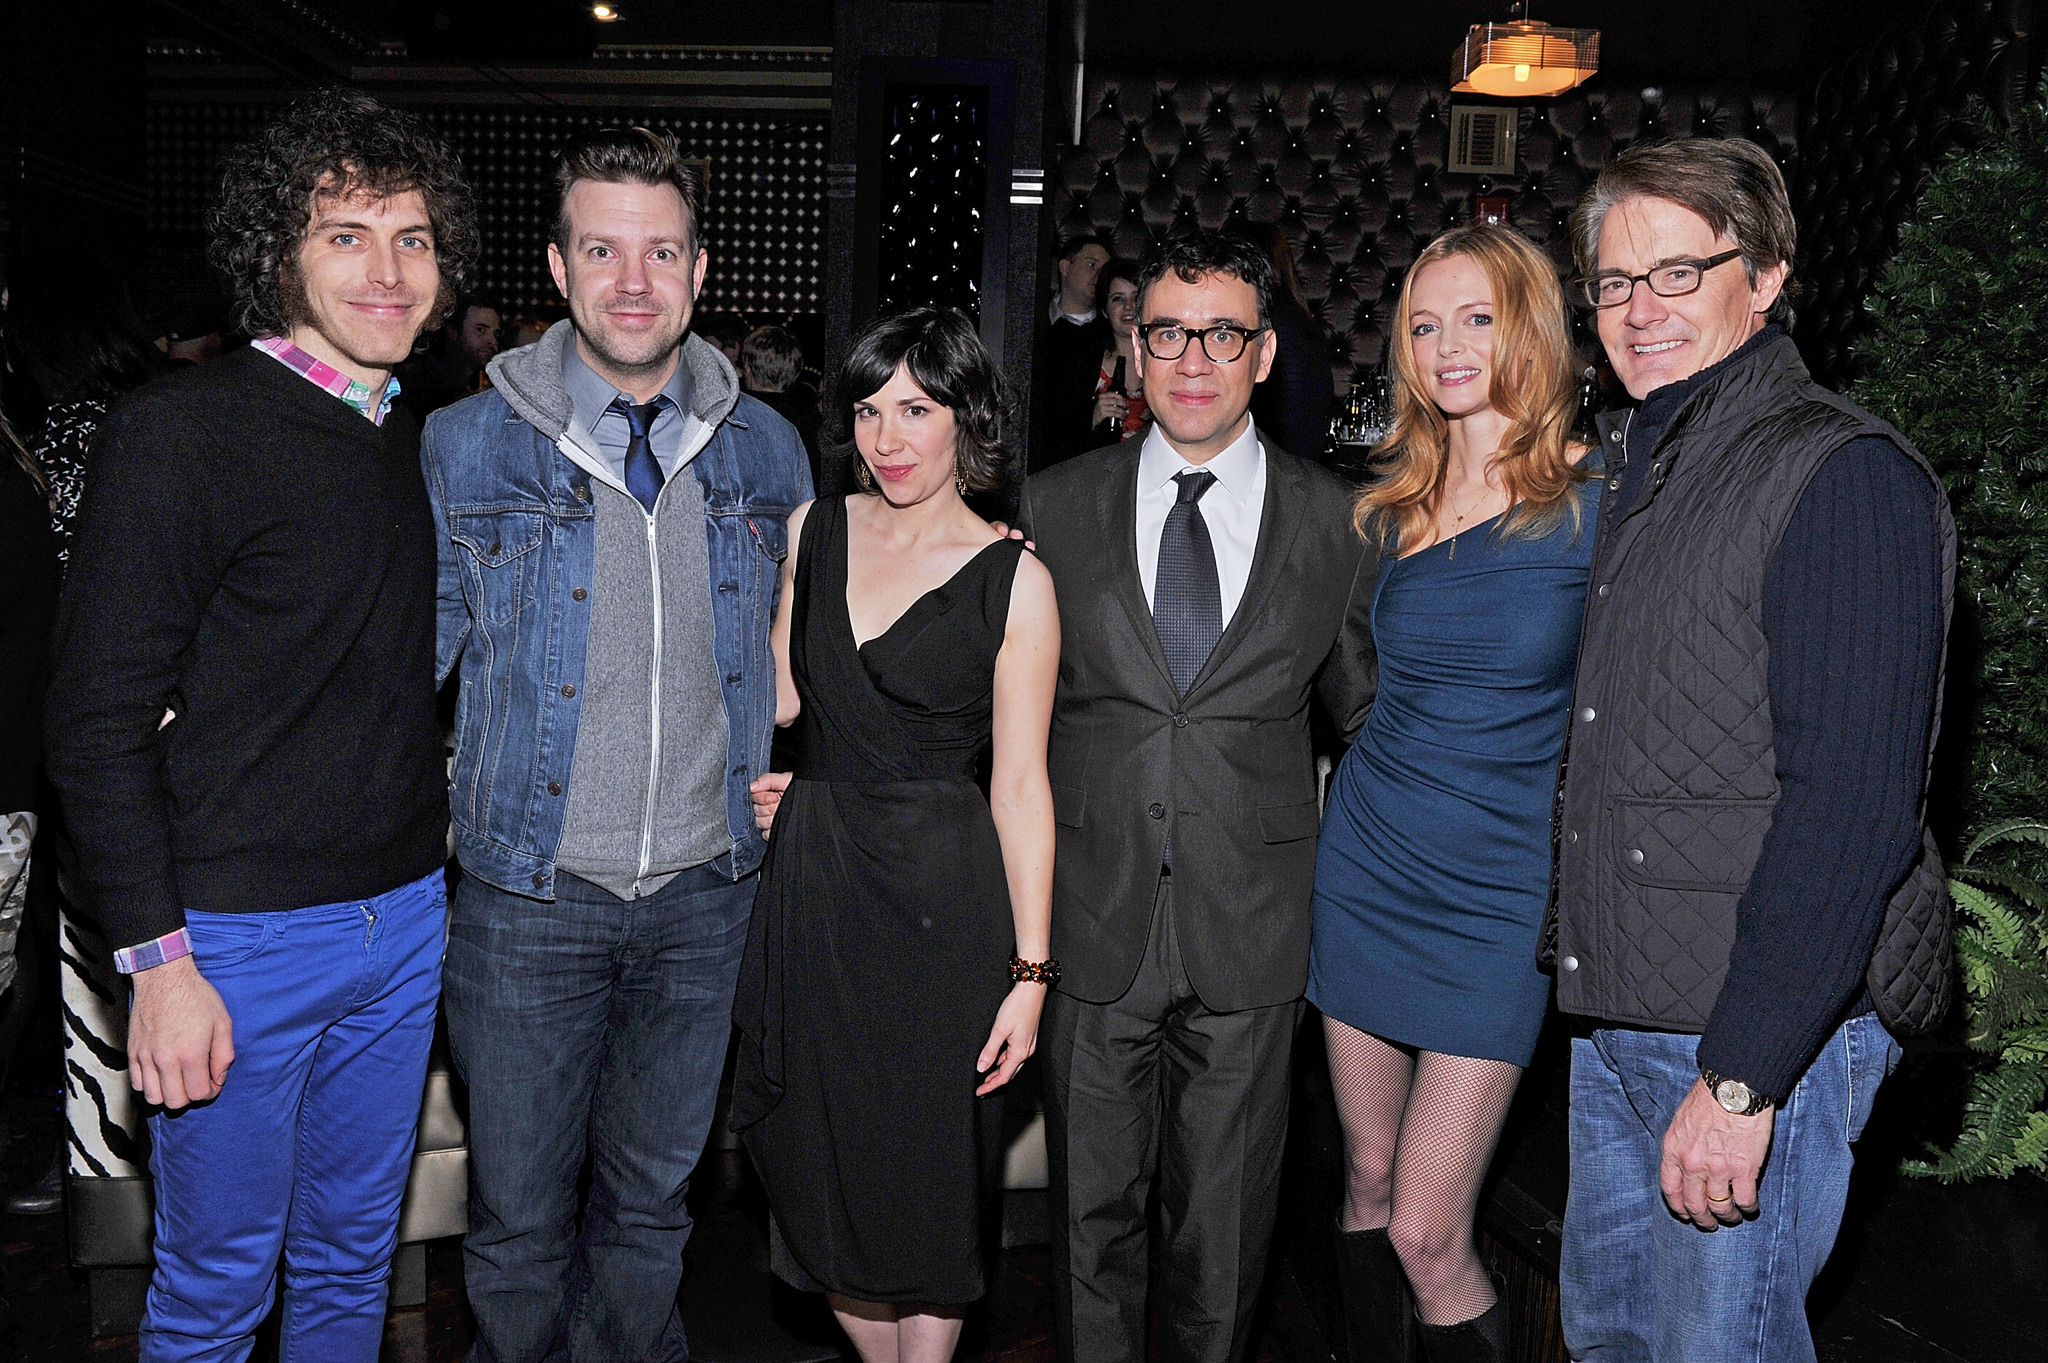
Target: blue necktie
(643, 470)
(1187, 599)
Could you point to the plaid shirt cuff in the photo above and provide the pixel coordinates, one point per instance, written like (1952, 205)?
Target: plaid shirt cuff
(149, 955)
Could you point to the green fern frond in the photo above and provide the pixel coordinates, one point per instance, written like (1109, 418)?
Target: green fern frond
(2007, 830)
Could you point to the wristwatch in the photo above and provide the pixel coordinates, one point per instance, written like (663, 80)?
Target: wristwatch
(1735, 1097)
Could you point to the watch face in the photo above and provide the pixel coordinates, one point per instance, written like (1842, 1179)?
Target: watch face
(1733, 1095)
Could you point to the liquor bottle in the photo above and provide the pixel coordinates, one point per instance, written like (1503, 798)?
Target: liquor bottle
(1113, 428)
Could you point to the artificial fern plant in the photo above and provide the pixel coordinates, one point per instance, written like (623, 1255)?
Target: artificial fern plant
(1958, 360)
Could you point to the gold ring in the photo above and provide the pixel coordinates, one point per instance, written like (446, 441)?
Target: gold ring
(1712, 1198)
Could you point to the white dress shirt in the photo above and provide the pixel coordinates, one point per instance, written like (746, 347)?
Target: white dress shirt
(1231, 509)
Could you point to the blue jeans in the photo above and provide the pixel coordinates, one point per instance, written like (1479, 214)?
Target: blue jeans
(1642, 1286)
(307, 1149)
(590, 1024)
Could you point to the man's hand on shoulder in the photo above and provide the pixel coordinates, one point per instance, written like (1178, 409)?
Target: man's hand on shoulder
(1713, 1159)
(180, 1038)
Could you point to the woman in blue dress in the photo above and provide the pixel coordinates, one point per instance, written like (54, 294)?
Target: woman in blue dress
(1434, 862)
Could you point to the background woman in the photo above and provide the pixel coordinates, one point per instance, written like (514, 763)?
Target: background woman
(897, 961)
(1434, 861)
(1119, 409)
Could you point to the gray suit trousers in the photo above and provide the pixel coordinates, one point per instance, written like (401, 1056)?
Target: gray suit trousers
(1156, 1086)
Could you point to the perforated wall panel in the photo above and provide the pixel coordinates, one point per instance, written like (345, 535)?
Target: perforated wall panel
(764, 219)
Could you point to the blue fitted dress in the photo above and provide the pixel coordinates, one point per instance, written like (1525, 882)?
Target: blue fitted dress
(1433, 867)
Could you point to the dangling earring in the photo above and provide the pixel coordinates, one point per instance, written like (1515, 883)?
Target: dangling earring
(861, 474)
(960, 482)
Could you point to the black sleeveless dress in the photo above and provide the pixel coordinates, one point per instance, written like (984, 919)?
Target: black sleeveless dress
(876, 960)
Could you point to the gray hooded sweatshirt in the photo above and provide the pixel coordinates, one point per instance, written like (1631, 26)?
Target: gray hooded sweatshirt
(646, 796)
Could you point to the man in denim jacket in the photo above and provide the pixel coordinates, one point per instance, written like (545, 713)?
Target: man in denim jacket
(613, 521)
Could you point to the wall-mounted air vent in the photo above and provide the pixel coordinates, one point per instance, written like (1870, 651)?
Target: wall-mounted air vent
(1483, 139)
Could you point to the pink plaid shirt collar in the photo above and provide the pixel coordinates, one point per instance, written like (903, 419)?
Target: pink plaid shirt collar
(329, 379)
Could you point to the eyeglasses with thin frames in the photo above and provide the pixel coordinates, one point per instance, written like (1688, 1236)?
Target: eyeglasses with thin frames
(1673, 279)
(1169, 340)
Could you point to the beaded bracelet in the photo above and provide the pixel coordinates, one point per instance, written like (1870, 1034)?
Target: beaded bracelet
(1046, 972)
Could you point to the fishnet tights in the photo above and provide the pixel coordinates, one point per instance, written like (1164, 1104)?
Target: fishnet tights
(1419, 1132)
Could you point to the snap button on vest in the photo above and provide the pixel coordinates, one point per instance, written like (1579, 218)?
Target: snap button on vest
(1635, 856)
(1571, 835)
(1587, 714)
(1603, 590)
(1570, 963)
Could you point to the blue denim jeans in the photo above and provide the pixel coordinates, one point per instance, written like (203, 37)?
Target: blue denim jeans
(1642, 1286)
(588, 1025)
(307, 1148)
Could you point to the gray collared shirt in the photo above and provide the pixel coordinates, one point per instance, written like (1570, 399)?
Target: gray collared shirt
(591, 396)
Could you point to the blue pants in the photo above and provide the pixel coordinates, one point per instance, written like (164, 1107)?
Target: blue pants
(307, 1148)
(592, 1024)
(1642, 1286)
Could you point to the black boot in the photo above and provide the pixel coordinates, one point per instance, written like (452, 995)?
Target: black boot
(1379, 1318)
(1483, 1339)
(45, 1195)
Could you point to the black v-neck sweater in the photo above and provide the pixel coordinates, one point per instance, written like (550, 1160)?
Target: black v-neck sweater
(255, 556)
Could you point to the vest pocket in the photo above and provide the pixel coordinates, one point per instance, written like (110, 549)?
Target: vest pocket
(1706, 845)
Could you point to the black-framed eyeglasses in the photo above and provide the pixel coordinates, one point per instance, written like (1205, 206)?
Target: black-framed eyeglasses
(1169, 340)
(1673, 279)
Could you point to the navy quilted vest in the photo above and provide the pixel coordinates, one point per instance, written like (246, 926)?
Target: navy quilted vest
(1670, 779)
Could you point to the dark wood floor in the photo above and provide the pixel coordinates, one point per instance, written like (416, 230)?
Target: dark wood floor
(1922, 1274)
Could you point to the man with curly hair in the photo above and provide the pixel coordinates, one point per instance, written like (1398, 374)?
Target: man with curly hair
(243, 732)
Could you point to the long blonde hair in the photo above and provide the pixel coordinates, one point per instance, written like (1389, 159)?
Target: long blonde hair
(1532, 386)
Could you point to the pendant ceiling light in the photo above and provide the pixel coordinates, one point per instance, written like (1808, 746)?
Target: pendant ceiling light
(1524, 57)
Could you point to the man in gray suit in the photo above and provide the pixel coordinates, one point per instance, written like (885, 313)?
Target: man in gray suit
(1208, 583)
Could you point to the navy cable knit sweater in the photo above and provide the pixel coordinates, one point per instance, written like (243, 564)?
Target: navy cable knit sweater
(1852, 612)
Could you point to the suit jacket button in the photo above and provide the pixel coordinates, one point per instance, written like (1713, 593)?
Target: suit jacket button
(1157, 811)
(1180, 721)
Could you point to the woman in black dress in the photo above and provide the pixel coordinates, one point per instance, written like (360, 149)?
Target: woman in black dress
(897, 960)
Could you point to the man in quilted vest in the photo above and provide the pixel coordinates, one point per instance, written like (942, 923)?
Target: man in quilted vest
(1743, 880)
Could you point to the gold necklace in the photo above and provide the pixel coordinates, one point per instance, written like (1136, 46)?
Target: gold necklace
(1484, 493)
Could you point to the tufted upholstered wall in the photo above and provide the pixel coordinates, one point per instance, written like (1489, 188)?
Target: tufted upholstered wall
(1353, 170)
(1870, 130)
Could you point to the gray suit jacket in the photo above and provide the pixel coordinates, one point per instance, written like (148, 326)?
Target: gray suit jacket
(1229, 768)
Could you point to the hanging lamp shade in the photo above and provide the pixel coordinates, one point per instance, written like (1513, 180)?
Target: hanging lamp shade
(1524, 57)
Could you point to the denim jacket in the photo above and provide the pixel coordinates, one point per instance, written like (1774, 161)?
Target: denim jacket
(508, 473)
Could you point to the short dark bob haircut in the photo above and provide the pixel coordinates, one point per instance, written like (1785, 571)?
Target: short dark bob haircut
(945, 357)
(628, 156)
(332, 141)
(1190, 255)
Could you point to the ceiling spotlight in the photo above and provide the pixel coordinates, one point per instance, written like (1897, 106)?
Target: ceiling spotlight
(604, 14)
(1524, 57)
